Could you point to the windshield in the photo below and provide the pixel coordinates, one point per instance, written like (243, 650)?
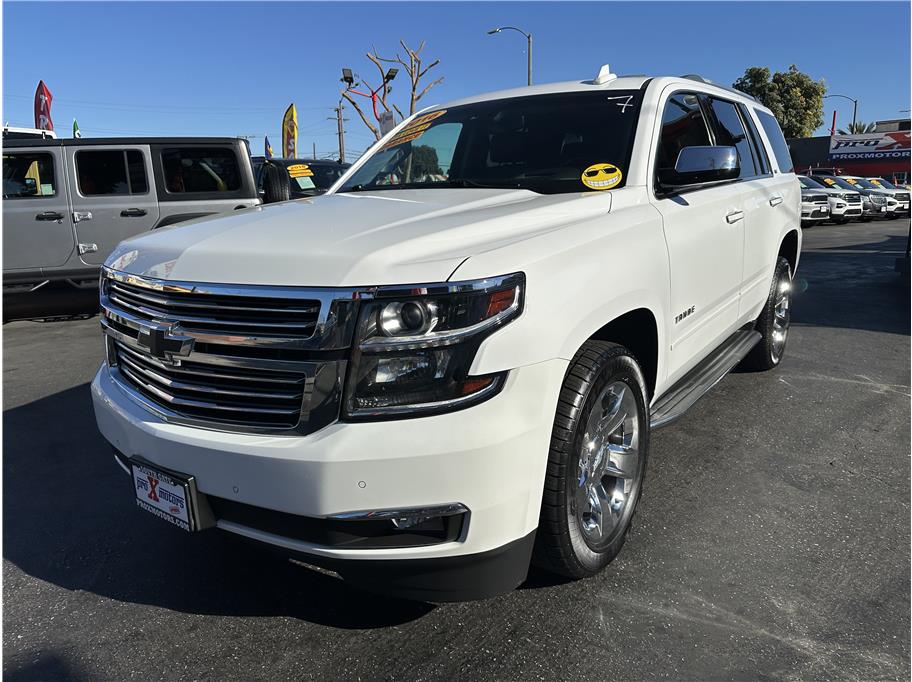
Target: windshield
(880, 182)
(807, 183)
(832, 181)
(862, 183)
(568, 142)
(305, 177)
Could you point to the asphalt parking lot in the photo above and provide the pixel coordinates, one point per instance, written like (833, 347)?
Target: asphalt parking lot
(772, 540)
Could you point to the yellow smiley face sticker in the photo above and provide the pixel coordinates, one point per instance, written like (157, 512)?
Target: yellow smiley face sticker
(601, 176)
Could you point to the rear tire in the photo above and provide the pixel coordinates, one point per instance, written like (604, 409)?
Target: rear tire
(773, 322)
(596, 463)
(276, 183)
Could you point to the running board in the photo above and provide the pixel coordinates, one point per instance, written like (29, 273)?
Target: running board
(691, 387)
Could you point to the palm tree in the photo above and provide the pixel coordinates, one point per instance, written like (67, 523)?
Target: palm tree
(859, 128)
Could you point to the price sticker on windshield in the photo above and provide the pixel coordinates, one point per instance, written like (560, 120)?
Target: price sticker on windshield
(300, 170)
(413, 130)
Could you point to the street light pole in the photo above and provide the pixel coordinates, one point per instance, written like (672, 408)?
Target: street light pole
(528, 50)
(854, 107)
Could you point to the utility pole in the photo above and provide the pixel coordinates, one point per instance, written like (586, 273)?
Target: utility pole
(340, 131)
(315, 151)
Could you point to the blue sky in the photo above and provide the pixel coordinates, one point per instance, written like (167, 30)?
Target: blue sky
(231, 68)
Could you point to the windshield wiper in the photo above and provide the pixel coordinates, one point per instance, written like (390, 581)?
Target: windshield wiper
(478, 184)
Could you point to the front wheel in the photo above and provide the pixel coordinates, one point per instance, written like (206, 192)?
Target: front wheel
(597, 462)
(773, 322)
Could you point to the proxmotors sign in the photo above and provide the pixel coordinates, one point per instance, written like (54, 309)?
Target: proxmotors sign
(892, 146)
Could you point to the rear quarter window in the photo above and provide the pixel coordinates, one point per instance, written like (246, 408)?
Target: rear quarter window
(777, 141)
(200, 170)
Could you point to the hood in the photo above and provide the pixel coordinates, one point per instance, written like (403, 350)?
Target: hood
(352, 239)
(830, 190)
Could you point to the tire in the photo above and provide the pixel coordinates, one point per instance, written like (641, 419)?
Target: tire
(276, 183)
(773, 322)
(603, 383)
(806, 224)
(867, 220)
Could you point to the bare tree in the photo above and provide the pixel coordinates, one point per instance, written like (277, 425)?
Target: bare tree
(416, 71)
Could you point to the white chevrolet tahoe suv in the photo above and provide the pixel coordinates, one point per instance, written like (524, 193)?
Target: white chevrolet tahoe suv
(449, 365)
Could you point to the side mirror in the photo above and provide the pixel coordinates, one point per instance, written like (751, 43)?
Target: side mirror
(700, 165)
(31, 187)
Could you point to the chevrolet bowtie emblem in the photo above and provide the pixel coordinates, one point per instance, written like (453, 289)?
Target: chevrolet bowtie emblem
(164, 343)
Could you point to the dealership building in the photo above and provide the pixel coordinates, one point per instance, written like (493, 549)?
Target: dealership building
(883, 153)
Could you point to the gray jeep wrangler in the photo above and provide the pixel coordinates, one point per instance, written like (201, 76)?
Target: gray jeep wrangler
(68, 203)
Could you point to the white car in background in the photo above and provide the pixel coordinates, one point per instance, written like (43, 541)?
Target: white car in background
(900, 194)
(815, 207)
(843, 205)
(894, 209)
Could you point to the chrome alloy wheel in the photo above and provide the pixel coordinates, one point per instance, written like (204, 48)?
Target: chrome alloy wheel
(781, 317)
(609, 466)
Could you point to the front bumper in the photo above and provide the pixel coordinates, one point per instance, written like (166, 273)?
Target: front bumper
(490, 458)
(815, 211)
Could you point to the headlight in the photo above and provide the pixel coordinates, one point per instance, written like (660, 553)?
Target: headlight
(414, 347)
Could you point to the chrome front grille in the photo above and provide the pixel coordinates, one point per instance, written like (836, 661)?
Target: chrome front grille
(241, 358)
(900, 196)
(816, 198)
(259, 398)
(853, 198)
(258, 315)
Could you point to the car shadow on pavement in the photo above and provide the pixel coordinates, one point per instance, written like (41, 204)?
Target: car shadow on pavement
(69, 520)
(853, 287)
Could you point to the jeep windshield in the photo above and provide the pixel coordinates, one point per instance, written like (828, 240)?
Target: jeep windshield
(555, 143)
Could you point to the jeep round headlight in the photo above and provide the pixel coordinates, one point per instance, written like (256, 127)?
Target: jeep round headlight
(414, 347)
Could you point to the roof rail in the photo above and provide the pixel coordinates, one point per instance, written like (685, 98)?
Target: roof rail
(699, 79)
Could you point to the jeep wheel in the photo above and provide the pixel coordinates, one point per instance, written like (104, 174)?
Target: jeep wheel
(773, 323)
(276, 183)
(596, 463)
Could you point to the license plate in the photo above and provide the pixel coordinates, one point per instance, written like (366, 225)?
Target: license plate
(168, 495)
(883, 209)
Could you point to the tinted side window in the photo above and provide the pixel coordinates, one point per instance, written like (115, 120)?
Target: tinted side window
(730, 133)
(28, 176)
(777, 141)
(136, 172)
(197, 169)
(760, 156)
(110, 171)
(683, 125)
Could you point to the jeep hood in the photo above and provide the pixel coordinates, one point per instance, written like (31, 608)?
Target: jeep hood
(352, 239)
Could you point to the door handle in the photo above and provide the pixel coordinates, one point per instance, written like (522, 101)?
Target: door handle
(49, 215)
(775, 200)
(734, 216)
(133, 213)
(81, 215)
